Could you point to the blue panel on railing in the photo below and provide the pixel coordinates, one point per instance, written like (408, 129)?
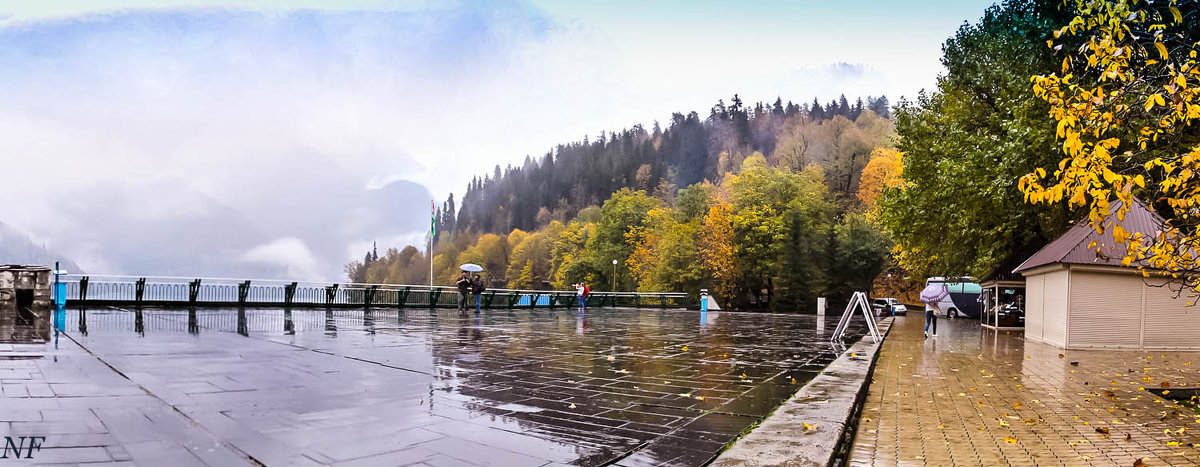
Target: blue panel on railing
(543, 300)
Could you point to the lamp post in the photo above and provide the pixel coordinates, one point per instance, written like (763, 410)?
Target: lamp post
(614, 287)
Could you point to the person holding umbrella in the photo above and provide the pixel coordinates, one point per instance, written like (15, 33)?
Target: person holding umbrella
(933, 294)
(476, 289)
(464, 286)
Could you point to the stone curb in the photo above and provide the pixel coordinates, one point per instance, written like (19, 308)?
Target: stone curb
(831, 401)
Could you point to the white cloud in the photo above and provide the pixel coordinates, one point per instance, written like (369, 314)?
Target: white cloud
(290, 253)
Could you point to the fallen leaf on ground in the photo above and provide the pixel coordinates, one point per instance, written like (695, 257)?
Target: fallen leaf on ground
(571, 406)
(1062, 356)
(1017, 405)
(1102, 430)
(1139, 463)
(1075, 363)
(808, 427)
(1010, 440)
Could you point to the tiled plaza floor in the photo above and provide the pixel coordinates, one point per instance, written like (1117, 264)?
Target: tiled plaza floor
(347, 387)
(977, 397)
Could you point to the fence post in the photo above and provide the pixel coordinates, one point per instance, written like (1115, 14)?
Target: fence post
(243, 292)
(433, 297)
(402, 298)
(369, 296)
(193, 291)
(83, 286)
(487, 302)
(330, 293)
(139, 290)
(289, 293)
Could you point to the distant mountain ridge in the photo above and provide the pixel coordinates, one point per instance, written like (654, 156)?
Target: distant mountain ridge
(17, 248)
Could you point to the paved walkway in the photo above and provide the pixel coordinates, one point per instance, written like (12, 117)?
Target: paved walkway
(344, 387)
(976, 397)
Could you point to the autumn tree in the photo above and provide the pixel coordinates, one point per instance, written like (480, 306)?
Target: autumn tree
(882, 171)
(717, 250)
(1125, 101)
(967, 143)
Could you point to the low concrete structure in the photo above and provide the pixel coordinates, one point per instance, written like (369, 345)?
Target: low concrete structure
(24, 304)
(1079, 296)
(828, 405)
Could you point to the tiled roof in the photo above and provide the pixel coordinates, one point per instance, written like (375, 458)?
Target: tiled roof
(1072, 247)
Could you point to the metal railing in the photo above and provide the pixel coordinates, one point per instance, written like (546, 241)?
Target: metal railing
(184, 291)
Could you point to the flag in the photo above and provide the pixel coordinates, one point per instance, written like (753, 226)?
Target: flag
(432, 219)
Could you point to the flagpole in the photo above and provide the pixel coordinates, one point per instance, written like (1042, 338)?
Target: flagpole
(432, 232)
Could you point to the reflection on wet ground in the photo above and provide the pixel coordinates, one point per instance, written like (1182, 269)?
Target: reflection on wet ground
(526, 387)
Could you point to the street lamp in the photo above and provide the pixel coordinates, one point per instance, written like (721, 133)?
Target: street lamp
(614, 287)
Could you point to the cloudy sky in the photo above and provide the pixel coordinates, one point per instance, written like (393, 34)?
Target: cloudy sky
(280, 138)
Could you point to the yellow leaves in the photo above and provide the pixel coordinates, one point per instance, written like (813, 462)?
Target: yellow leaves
(684, 348)
(1017, 405)
(1010, 440)
(808, 427)
(1154, 99)
(610, 358)
(1162, 50)
(572, 406)
(1175, 14)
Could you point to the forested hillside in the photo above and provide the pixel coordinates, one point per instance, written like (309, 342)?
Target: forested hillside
(837, 136)
(767, 205)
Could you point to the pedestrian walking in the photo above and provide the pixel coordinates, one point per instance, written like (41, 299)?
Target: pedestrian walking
(476, 289)
(464, 287)
(932, 295)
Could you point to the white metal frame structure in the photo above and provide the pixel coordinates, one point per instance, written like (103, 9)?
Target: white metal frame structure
(857, 301)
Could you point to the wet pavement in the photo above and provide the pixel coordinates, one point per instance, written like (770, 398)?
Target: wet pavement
(416, 387)
(972, 396)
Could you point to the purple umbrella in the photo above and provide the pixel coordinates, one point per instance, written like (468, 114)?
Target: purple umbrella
(934, 293)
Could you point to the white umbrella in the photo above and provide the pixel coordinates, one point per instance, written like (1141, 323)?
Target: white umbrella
(471, 267)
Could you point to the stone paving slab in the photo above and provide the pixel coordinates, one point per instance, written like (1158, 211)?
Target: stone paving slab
(972, 396)
(412, 387)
